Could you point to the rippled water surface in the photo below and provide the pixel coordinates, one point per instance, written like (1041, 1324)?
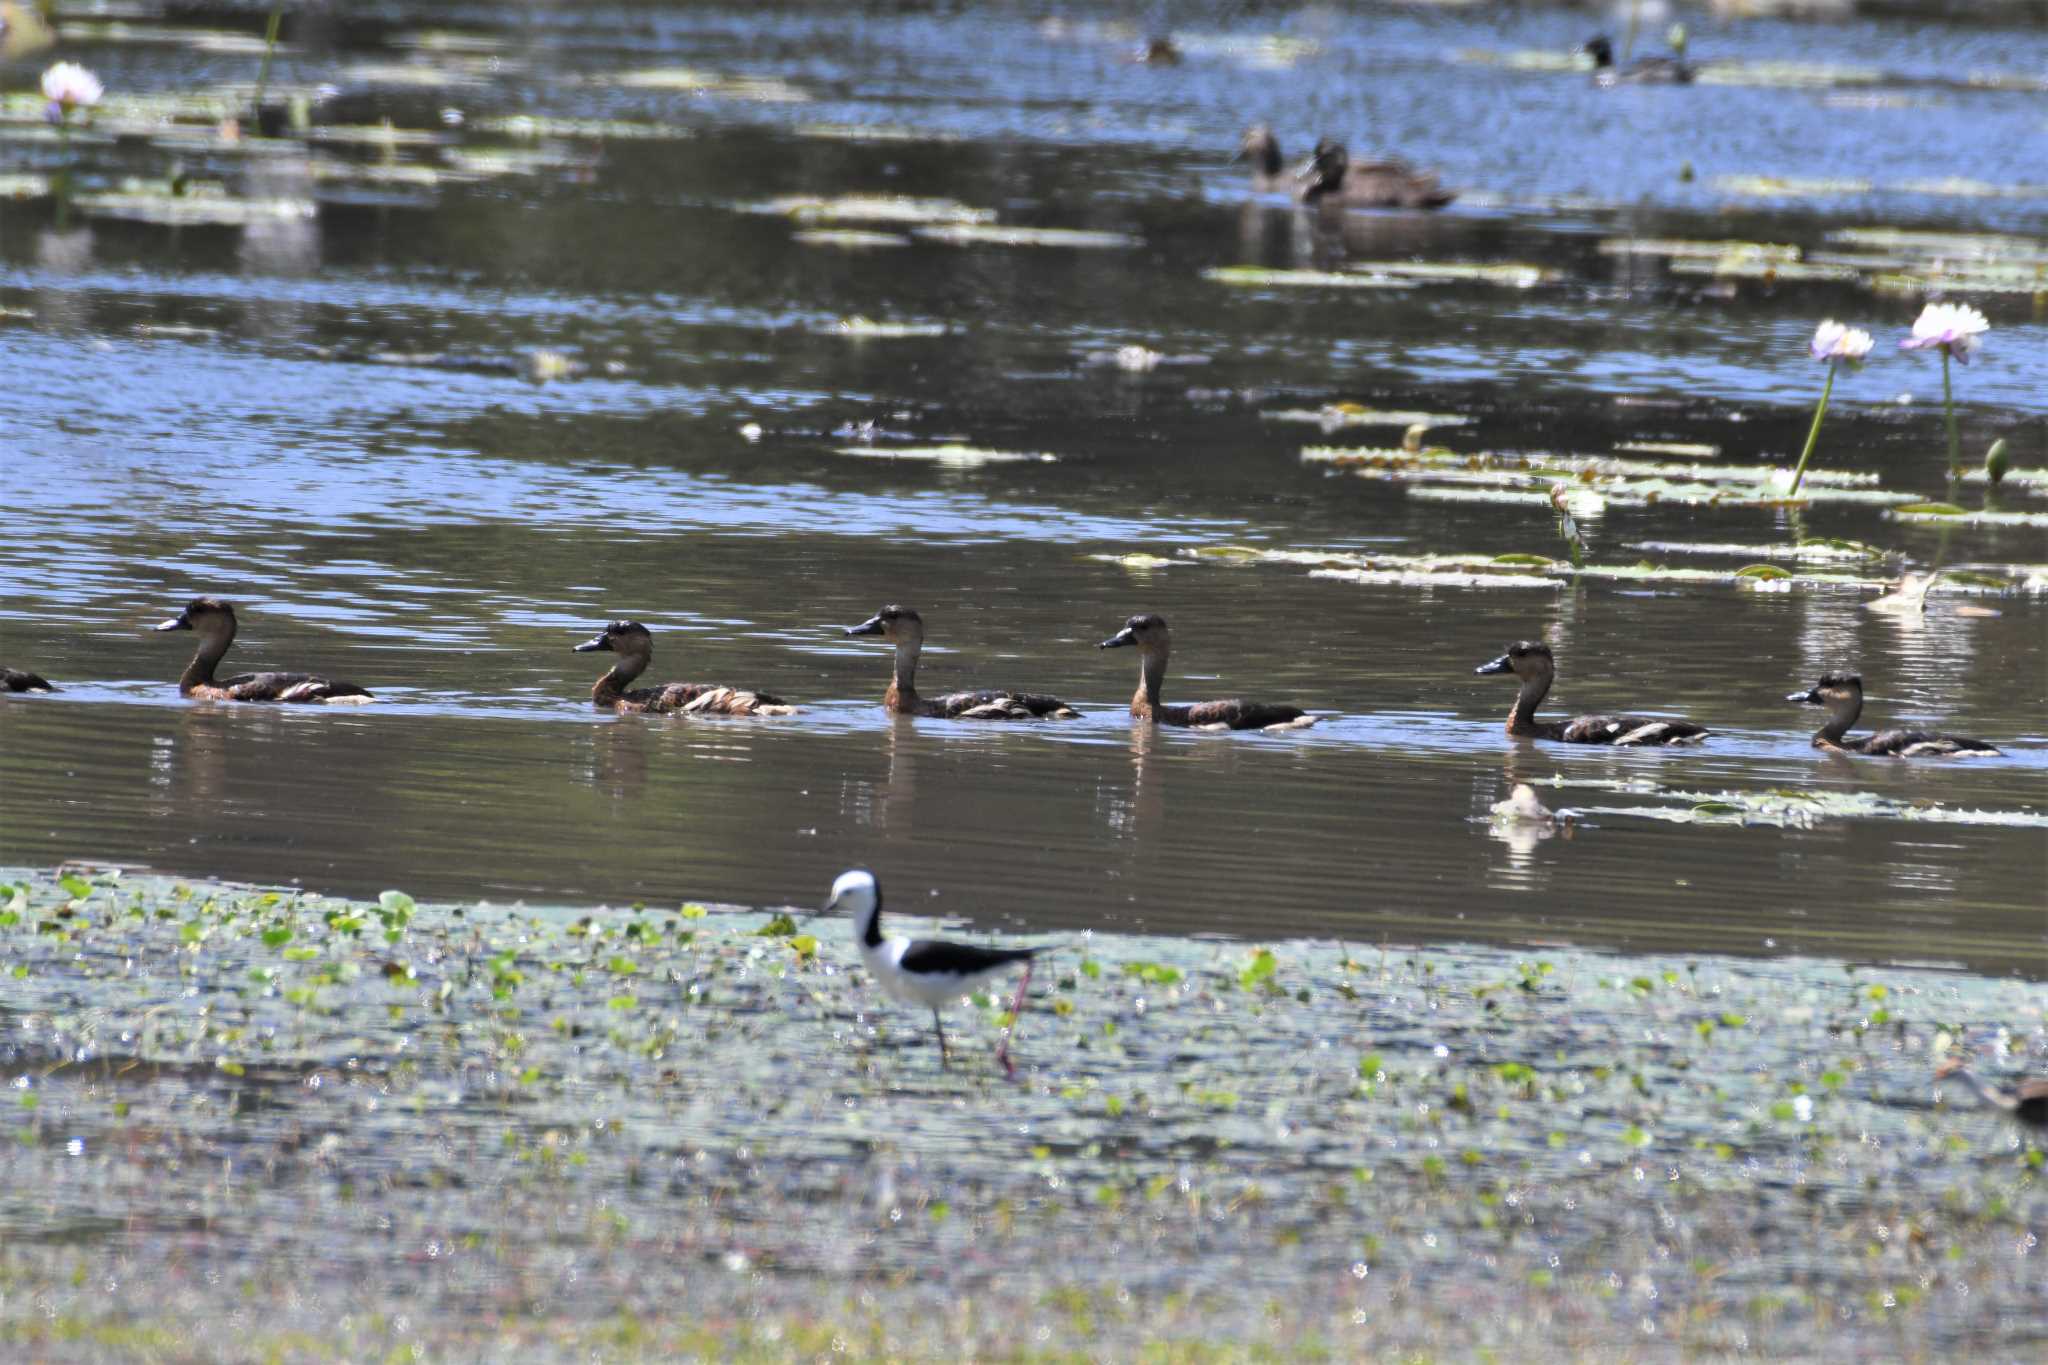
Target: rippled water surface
(497, 389)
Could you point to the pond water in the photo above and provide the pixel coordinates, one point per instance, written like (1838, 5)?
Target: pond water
(500, 382)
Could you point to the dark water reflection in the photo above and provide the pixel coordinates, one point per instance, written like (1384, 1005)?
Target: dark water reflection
(329, 421)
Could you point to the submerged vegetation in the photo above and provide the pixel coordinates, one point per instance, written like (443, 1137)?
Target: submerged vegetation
(656, 1128)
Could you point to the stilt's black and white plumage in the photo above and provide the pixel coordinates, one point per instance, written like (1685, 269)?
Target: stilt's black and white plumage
(924, 971)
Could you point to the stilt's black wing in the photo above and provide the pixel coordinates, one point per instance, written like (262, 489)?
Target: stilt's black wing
(935, 957)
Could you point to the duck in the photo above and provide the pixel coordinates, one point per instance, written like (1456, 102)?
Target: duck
(15, 680)
(1842, 693)
(2027, 1102)
(1154, 642)
(634, 645)
(1329, 176)
(1531, 661)
(1390, 183)
(214, 621)
(1673, 70)
(904, 628)
(924, 971)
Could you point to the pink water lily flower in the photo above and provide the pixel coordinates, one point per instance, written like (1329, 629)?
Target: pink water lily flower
(1834, 341)
(68, 86)
(1951, 327)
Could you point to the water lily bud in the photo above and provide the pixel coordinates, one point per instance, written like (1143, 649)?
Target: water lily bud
(1996, 463)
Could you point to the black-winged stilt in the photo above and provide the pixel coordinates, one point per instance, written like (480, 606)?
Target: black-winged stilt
(924, 971)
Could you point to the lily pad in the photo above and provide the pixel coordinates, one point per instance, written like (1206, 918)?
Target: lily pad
(1140, 562)
(1750, 268)
(527, 127)
(868, 328)
(873, 208)
(691, 81)
(1790, 187)
(1694, 249)
(1690, 450)
(981, 234)
(1806, 551)
(1506, 274)
(192, 210)
(1257, 277)
(1334, 416)
(1924, 513)
(848, 239)
(1789, 75)
(873, 132)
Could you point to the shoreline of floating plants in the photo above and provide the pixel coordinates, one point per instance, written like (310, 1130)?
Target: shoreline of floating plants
(659, 1129)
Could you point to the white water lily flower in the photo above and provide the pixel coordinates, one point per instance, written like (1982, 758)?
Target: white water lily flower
(68, 86)
(1834, 341)
(1952, 327)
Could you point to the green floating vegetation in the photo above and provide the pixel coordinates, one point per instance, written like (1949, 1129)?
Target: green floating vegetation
(1789, 75)
(1757, 268)
(199, 207)
(1917, 242)
(1947, 514)
(420, 75)
(873, 132)
(947, 456)
(528, 127)
(869, 329)
(985, 234)
(1513, 469)
(1335, 416)
(1685, 450)
(1137, 562)
(1811, 551)
(1257, 277)
(848, 239)
(1684, 248)
(1959, 187)
(1783, 809)
(1508, 275)
(375, 135)
(873, 208)
(1790, 187)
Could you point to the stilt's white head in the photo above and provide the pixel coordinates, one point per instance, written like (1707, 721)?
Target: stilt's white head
(860, 895)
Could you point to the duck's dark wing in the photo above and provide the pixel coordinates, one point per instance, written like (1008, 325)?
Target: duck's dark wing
(708, 699)
(1393, 183)
(1657, 71)
(999, 704)
(286, 687)
(14, 680)
(936, 957)
(1631, 731)
(1920, 744)
(1236, 714)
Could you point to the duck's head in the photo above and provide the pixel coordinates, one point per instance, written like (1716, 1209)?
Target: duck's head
(207, 615)
(620, 637)
(1147, 631)
(858, 894)
(897, 625)
(1258, 146)
(1325, 168)
(1601, 49)
(1525, 659)
(1835, 688)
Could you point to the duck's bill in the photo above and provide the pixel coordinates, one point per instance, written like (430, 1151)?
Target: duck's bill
(178, 622)
(594, 643)
(1812, 694)
(1121, 638)
(1500, 665)
(871, 626)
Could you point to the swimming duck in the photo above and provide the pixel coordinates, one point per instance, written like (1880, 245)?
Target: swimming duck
(2027, 1102)
(1391, 183)
(1269, 168)
(924, 971)
(214, 620)
(634, 646)
(14, 680)
(1530, 661)
(1155, 643)
(1842, 694)
(1642, 71)
(904, 629)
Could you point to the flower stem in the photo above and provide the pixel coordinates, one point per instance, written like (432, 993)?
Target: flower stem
(1813, 436)
(1948, 403)
(269, 51)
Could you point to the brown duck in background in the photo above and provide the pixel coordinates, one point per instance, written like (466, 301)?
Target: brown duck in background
(14, 680)
(635, 647)
(214, 621)
(2027, 1102)
(1154, 643)
(1842, 694)
(1390, 183)
(1330, 177)
(1530, 661)
(904, 628)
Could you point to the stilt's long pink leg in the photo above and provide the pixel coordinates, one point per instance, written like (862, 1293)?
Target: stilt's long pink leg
(1016, 1017)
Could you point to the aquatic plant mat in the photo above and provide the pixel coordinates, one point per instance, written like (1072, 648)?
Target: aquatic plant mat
(245, 1124)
